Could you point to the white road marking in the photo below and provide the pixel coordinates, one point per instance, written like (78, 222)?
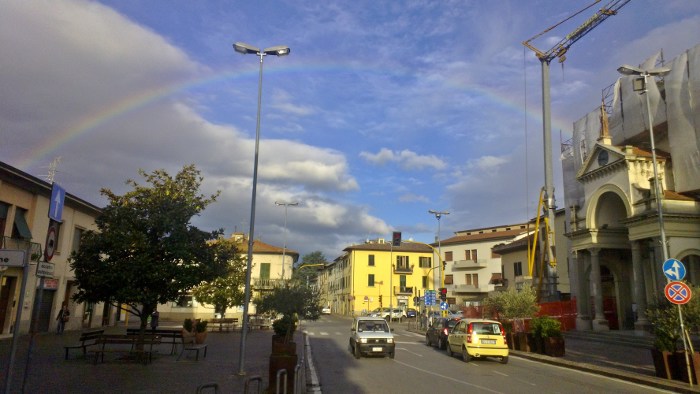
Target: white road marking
(449, 378)
(404, 349)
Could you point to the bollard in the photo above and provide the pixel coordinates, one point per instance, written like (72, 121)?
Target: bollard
(214, 386)
(251, 379)
(280, 373)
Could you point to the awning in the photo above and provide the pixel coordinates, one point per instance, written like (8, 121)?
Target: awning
(21, 225)
(496, 279)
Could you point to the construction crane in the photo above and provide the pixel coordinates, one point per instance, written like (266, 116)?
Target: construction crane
(559, 51)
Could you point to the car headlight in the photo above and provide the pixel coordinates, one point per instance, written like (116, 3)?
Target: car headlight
(363, 340)
(390, 340)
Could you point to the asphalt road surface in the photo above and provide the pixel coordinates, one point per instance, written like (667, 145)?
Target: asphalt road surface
(418, 368)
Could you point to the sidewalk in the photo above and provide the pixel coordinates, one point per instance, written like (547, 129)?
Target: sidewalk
(49, 372)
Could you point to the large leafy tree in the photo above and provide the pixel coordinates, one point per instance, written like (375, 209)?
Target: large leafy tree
(225, 291)
(308, 269)
(146, 251)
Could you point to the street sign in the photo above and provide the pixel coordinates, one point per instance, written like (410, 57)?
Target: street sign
(444, 305)
(674, 269)
(51, 240)
(56, 204)
(45, 269)
(11, 258)
(678, 293)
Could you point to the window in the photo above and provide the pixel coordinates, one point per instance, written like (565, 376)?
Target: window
(264, 270)
(402, 281)
(77, 236)
(448, 280)
(370, 280)
(518, 268)
(425, 281)
(4, 208)
(425, 262)
(471, 279)
(184, 301)
(370, 260)
(20, 229)
(448, 256)
(402, 262)
(470, 255)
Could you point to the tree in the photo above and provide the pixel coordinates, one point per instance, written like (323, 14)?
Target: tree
(512, 304)
(145, 251)
(225, 291)
(308, 269)
(294, 301)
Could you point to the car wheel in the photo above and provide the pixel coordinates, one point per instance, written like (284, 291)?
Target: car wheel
(449, 350)
(357, 352)
(427, 341)
(504, 360)
(465, 354)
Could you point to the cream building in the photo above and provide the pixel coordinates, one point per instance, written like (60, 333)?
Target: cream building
(614, 225)
(24, 223)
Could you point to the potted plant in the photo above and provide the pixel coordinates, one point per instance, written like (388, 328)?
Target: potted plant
(200, 328)
(294, 301)
(188, 331)
(517, 307)
(547, 331)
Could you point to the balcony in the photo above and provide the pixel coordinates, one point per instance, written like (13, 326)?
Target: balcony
(403, 269)
(403, 290)
(266, 284)
(471, 289)
(470, 264)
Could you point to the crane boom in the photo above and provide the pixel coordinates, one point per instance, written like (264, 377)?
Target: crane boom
(559, 50)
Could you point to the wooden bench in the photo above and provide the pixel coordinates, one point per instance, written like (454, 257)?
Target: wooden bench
(188, 344)
(167, 336)
(126, 344)
(224, 323)
(87, 338)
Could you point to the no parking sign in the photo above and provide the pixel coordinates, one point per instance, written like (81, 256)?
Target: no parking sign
(678, 292)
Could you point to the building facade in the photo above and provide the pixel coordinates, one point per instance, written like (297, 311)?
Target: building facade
(24, 223)
(615, 226)
(377, 274)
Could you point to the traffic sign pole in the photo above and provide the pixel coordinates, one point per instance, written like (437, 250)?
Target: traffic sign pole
(677, 293)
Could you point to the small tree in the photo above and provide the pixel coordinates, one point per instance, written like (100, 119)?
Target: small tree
(294, 301)
(145, 251)
(513, 304)
(225, 291)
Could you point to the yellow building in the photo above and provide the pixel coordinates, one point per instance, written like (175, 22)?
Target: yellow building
(376, 274)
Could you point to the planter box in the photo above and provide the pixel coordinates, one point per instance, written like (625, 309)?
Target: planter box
(278, 362)
(279, 347)
(680, 371)
(554, 346)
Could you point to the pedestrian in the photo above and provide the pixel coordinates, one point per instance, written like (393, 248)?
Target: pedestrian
(62, 318)
(154, 319)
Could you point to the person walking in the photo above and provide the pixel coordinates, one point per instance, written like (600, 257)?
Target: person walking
(62, 318)
(154, 319)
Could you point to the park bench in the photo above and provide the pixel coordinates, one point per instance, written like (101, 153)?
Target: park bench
(172, 337)
(87, 338)
(188, 344)
(259, 322)
(224, 323)
(126, 344)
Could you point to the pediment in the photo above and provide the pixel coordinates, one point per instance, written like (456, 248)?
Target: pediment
(603, 157)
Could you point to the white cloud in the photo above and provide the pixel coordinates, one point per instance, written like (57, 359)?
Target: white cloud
(406, 159)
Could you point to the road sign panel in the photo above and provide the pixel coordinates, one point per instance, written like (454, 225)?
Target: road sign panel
(51, 239)
(678, 293)
(56, 204)
(12, 258)
(674, 269)
(45, 269)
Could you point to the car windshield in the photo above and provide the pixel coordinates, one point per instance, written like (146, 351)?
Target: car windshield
(486, 328)
(371, 325)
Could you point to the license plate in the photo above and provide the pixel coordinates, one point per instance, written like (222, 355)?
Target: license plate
(377, 349)
(488, 341)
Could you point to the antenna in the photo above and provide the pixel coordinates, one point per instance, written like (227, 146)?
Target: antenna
(53, 169)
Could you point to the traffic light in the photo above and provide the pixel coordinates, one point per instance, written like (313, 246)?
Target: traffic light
(380, 300)
(443, 293)
(396, 238)
(444, 265)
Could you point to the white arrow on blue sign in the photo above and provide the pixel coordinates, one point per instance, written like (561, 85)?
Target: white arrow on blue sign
(674, 269)
(57, 197)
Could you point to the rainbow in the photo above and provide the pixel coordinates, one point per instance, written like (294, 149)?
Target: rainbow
(144, 98)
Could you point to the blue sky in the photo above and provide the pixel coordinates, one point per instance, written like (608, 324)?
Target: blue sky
(382, 111)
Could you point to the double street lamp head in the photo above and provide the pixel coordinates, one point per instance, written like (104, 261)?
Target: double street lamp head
(626, 69)
(279, 50)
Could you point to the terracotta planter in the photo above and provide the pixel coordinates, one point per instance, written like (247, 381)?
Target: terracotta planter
(279, 347)
(680, 369)
(663, 363)
(554, 346)
(278, 362)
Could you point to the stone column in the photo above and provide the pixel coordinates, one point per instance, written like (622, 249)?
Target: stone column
(599, 322)
(638, 288)
(583, 318)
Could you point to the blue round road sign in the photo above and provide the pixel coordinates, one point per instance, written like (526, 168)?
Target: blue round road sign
(678, 293)
(674, 269)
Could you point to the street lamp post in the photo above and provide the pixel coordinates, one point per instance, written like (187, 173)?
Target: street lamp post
(438, 215)
(246, 49)
(645, 74)
(284, 246)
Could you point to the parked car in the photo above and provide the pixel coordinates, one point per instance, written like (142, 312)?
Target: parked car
(475, 338)
(387, 313)
(411, 313)
(371, 336)
(436, 334)
(326, 310)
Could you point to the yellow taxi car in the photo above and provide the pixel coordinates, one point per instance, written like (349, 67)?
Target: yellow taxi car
(474, 338)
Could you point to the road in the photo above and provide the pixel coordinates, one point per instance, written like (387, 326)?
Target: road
(418, 368)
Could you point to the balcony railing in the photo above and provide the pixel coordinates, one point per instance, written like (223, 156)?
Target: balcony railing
(402, 290)
(266, 283)
(470, 264)
(471, 289)
(404, 269)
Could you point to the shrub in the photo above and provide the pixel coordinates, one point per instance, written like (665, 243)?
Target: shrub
(546, 327)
